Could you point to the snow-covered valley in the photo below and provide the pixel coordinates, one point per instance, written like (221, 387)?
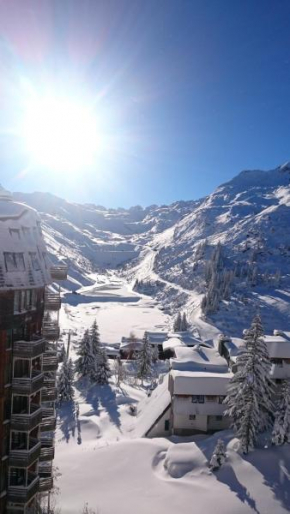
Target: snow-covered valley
(132, 270)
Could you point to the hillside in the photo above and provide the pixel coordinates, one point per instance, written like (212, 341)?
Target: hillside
(232, 245)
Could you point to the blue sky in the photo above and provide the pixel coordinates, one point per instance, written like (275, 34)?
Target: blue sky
(189, 92)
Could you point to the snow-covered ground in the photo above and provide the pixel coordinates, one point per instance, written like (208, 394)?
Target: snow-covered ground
(101, 458)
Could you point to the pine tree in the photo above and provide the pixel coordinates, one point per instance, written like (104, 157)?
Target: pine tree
(65, 382)
(184, 324)
(219, 455)
(177, 323)
(281, 430)
(85, 362)
(102, 371)
(95, 339)
(144, 360)
(250, 389)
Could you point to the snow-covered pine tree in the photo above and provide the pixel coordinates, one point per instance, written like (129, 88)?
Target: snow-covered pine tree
(85, 362)
(218, 456)
(144, 360)
(250, 390)
(102, 371)
(184, 324)
(95, 338)
(65, 389)
(281, 430)
(177, 323)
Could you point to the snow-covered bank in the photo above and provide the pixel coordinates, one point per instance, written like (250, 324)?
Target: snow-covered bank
(155, 476)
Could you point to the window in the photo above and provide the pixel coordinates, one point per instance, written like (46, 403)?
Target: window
(16, 301)
(166, 425)
(14, 233)
(192, 417)
(33, 299)
(197, 399)
(211, 398)
(221, 399)
(35, 261)
(14, 261)
(22, 301)
(219, 418)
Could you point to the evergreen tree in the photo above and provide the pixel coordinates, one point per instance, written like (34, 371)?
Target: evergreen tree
(95, 339)
(281, 430)
(249, 393)
(184, 324)
(101, 373)
(85, 362)
(177, 323)
(218, 456)
(65, 381)
(144, 360)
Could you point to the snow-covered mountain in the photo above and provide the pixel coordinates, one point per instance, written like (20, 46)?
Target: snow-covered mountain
(232, 246)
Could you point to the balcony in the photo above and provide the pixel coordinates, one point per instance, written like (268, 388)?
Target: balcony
(49, 395)
(28, 349)
(50, 330)
(45, 484)
(50, 361)
(52, 301)
(47, 449)
(23, 458)
(28, 385)
(26, 422)
(58, 272)
(23, 494)
(48, 420)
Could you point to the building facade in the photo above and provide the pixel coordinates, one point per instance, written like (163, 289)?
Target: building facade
(28, 358)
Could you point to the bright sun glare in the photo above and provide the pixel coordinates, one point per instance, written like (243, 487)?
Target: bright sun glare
(60, 134)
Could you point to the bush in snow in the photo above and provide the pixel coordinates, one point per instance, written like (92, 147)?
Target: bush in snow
(144, 360)
(65, 389)
(218, 456)
(85, 363)
(281, 430)
(250, 390)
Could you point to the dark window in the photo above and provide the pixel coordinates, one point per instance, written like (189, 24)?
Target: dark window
(35, 261)
(192, 417)
(16, 301)
(166, 425)
(14, 233)
(211, 398)
(14, 261)
(219, 418)
(8, 339)
(197, 399)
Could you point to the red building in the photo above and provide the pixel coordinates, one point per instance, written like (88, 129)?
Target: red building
(28, 358)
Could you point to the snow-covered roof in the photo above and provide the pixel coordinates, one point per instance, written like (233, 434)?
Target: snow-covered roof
(150, 408)
(198, 358)
(186, 337)
(172, 343)
(200, 383)
(278, 346)
(233, 346)
(155, 338)
(23, 258)
(127, 343)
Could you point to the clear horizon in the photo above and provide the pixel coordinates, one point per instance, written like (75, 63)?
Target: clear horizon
(186, 94)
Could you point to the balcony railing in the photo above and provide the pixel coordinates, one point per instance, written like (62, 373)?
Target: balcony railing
(23, 494)
(48, 419)
(52, 301)
(25, 422)
(22, 458)
(58, 272)
(50, 330)
(47, 451)
(45, 484)
(49, 395)
(50, 361)
(28, 349)
(26, 385)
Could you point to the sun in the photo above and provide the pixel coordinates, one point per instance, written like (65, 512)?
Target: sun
(60, 133)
